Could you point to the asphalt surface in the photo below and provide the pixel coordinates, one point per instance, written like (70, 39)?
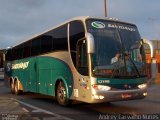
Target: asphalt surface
(39, 107)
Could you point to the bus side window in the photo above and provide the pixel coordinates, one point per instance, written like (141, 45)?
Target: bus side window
(9, 55)
(36, 47)
(27, 49)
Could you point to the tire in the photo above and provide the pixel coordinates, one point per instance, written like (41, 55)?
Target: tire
(17, 92)
(12, 87)
(62, 95)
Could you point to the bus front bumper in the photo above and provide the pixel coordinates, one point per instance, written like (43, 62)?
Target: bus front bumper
(118, 95)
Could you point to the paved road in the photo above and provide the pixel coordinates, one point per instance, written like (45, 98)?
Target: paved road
(36, 107)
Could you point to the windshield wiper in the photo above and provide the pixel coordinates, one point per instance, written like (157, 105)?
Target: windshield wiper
(130, 59)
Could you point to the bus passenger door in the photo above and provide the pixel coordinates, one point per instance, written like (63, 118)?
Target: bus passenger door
(81, 58)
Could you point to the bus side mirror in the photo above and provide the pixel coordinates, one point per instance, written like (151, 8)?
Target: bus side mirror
(90, 43)
(145, 41)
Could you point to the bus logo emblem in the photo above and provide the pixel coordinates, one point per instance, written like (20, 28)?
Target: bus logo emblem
(21, 65)
(98, 24)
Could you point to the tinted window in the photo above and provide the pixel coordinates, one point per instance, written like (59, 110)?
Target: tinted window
(46, 43)
(27, 49)
(14, 53)
(36, 46)
(53, 40)
(9, 55)
(58, 37)
(20, 51)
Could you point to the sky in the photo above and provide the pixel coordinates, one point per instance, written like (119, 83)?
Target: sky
(21, 19)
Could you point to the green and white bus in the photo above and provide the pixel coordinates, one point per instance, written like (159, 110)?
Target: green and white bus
(77, 61)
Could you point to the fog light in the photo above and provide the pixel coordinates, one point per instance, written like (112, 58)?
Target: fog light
(145, 94)
(98, 97)
(101, 87)
(101, 97)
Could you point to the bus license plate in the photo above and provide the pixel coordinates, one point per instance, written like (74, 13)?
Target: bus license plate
(126, 95)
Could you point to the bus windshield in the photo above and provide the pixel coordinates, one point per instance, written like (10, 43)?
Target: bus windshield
(118, 49)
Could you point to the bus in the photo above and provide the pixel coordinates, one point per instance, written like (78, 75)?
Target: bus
(1, 59)
(86, 59)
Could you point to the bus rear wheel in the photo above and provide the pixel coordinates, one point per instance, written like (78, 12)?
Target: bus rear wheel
(17, 91)
(62, 95)
(12, 87)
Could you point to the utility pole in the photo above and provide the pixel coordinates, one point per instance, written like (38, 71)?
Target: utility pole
(105, 8)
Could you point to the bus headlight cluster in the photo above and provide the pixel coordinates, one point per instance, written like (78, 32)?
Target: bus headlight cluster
(101, 87)
(142, 86)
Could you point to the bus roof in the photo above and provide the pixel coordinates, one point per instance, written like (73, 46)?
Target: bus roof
(81, 18)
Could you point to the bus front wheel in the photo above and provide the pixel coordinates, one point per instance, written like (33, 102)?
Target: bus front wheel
(62, 95)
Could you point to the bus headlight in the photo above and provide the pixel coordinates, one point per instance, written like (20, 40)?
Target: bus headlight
(101, 87)
(142, 86)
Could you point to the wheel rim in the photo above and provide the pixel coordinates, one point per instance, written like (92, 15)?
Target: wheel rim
(12, 87)
(16, 87)
(61, 92)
